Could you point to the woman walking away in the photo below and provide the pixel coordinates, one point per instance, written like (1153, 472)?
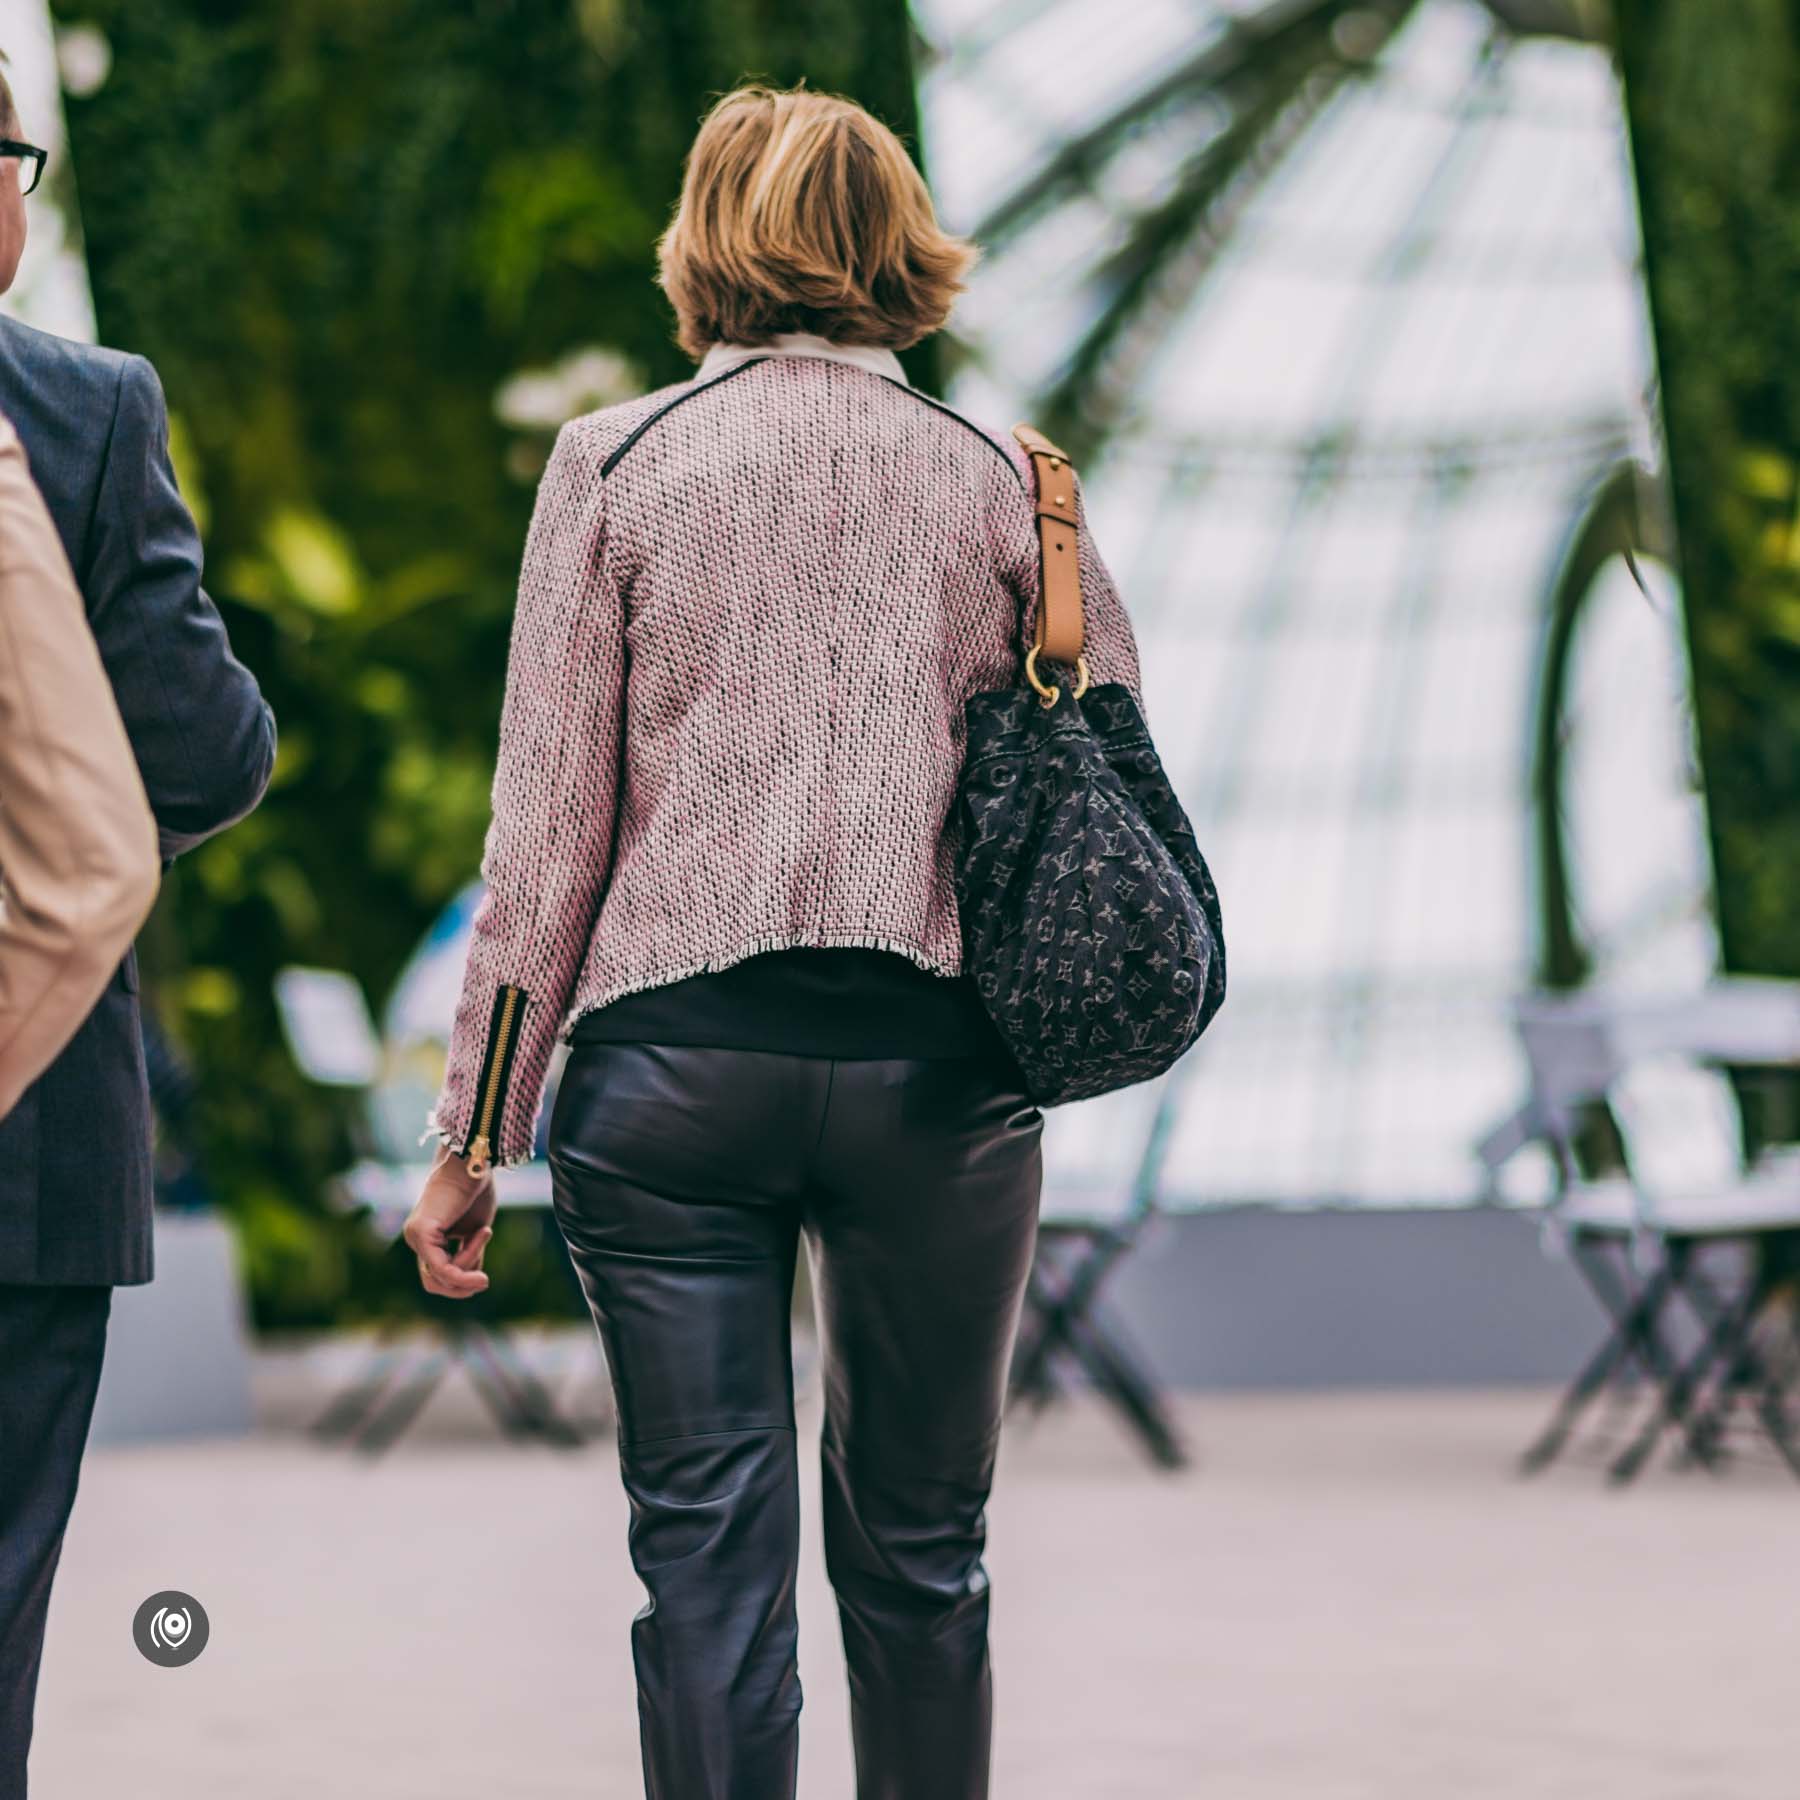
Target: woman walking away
(721, 867)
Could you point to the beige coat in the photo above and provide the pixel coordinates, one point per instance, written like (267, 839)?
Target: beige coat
(78, 847)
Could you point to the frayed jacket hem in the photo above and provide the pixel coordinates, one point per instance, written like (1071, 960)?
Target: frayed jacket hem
(757, 946)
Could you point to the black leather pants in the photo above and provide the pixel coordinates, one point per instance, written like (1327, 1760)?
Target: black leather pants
(683, 1180)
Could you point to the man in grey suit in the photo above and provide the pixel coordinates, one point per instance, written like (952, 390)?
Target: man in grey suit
(75, 1187)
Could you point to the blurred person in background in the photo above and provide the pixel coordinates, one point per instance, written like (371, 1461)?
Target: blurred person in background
(75, 1181)
(751, 609)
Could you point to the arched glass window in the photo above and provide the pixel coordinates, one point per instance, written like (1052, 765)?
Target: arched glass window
(1341, 311)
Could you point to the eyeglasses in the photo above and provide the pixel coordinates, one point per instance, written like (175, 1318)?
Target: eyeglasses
(31, 162)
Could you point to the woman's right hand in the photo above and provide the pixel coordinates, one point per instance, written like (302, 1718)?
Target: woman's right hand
(453, 1204)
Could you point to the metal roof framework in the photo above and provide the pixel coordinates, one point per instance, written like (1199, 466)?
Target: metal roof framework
(1341, 309)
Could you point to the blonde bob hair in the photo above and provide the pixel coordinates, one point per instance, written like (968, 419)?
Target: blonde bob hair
(801, 212)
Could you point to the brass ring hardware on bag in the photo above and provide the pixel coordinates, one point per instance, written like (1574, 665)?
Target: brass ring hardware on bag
(1050, 693)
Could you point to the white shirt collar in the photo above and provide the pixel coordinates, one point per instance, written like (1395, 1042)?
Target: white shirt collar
(802, 343)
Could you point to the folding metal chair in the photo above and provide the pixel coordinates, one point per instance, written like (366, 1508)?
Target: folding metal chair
(1076, 1255)
(334, 1042)
(1683, 1207)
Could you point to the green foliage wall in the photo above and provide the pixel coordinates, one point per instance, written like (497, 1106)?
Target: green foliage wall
(1713, 94)
(338, 227)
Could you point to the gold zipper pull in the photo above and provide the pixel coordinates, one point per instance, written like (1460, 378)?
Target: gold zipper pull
(480, 1151)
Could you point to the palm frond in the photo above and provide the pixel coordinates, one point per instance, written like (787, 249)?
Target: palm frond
(1275, 94)
(1246, 47)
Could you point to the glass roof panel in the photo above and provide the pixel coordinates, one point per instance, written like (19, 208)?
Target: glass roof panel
(1349, 436)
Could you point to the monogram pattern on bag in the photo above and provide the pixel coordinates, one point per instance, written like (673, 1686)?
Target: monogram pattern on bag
(1090, 922)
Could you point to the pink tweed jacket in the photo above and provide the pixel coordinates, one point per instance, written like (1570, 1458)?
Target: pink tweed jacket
(750, 611)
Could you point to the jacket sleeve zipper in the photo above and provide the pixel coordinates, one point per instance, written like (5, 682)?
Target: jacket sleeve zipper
(509, 1002)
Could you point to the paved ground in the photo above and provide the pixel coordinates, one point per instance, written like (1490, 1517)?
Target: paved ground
(1349, 1598)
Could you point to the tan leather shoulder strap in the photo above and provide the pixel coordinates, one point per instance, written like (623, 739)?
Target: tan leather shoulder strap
(1060, 624)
